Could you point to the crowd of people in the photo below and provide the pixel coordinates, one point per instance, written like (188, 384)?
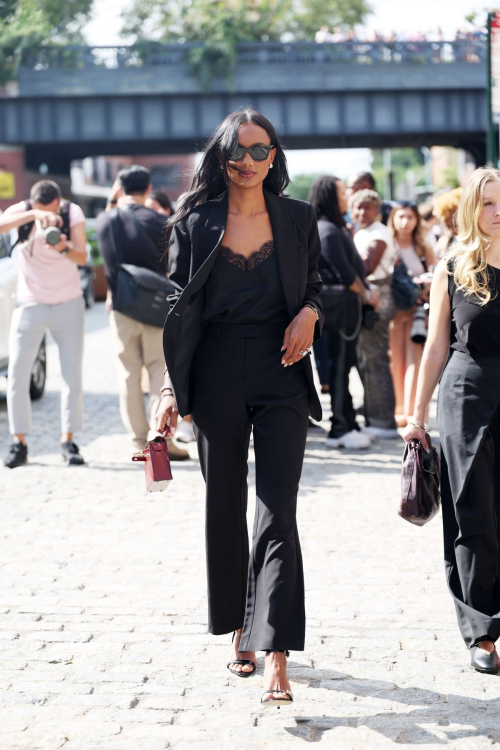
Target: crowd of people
(367, 35)
(384, 254)
(256, 279)
(363, 241)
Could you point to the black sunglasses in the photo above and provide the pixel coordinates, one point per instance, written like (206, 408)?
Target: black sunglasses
(259, 153)
(406, 204)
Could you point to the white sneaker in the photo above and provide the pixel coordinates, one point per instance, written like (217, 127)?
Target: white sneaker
(383, 434)
(184, 432)
(366, 431)
(353, 440)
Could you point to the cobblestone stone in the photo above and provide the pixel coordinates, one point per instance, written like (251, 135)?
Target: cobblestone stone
(103, 636)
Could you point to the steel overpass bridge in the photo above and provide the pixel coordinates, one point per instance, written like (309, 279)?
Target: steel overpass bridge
(73, 102)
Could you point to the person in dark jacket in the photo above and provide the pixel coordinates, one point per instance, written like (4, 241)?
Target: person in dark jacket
(340, 263)
(237, 342)
(138, 239)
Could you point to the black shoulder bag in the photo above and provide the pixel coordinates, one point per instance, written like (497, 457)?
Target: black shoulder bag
(141, 294)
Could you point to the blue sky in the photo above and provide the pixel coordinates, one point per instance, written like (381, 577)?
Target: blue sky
(405, 16)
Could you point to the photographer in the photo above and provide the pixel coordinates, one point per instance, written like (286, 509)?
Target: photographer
(408, 330)
(51, 245)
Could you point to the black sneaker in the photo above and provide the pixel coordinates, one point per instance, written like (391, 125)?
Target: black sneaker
(71, 453)
(17, 456)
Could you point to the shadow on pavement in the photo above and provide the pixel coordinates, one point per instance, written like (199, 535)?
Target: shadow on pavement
(478, 717)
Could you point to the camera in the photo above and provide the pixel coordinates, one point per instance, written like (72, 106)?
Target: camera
(419, 326)
(52, 235)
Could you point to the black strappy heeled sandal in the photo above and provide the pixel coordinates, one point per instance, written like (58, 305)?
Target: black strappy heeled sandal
(278, 702)
(242, 662)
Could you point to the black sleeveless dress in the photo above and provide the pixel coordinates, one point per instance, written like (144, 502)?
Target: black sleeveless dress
(469, 427)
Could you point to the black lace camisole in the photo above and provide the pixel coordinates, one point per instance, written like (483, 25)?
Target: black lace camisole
(242, 290)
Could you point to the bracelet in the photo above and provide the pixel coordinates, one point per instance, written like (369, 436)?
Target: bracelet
(166, 389)
(417, 425)
(112, 201)
(311, 307)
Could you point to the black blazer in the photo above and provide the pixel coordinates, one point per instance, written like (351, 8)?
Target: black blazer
(193, 250)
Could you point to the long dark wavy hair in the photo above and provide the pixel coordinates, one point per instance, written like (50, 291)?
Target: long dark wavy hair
(212, 179)
(323, 197)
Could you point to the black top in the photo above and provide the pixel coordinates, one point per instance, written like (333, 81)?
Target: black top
(134, 249)
(475, 328)
(242, 290)
(340, 261)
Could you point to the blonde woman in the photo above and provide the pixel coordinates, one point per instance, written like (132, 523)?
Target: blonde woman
(464, 335)
(412, 249)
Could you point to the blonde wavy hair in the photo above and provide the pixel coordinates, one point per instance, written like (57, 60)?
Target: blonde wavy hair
(466, 259)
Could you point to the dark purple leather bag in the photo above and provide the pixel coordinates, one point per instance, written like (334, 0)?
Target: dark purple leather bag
(420, 483)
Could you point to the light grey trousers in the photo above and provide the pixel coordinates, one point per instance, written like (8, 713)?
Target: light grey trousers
(29, 324)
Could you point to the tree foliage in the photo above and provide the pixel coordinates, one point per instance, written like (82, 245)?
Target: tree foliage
(221, 24)
(25, 24)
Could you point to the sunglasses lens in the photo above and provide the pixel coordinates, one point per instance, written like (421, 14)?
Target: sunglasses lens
(237, 154)
(259, 153)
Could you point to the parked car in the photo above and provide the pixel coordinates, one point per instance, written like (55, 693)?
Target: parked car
(8, 287)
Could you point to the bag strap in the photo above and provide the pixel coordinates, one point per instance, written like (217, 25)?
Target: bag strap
(24, 230)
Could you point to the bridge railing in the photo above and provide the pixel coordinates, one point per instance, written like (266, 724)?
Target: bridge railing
(267, 53)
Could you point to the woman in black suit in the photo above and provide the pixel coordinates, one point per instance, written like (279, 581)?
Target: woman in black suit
(237, 342)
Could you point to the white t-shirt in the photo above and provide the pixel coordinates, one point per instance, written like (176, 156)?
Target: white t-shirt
(46, 276)
(363, 239)
(411, 260)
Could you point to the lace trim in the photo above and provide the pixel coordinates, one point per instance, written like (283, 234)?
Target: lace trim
(244, 262)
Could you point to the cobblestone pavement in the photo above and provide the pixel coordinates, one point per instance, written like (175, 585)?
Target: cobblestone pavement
(103, 635)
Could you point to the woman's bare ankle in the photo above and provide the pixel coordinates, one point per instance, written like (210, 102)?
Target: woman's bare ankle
(488, 646)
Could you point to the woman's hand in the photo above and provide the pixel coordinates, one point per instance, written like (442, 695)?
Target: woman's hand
(299, 336)
(373, 297)
(167, 416)
(415, 433)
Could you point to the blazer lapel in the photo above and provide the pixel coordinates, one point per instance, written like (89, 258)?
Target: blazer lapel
(212, 231)
(286, 246)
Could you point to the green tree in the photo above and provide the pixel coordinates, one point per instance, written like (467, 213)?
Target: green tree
(299, 186)
(402, 160)
(26, 24)
(221, 24)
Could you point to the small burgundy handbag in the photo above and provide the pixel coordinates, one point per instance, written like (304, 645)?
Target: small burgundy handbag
(420, 483)
(158, 471)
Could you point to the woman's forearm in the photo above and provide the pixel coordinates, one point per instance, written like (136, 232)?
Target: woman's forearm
(360, 288)
(431, 369)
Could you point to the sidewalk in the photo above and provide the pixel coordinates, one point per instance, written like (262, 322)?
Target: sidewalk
(103, 635)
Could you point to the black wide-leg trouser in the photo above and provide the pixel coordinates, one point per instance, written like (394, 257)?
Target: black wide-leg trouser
(239, 383)
(472, 542)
